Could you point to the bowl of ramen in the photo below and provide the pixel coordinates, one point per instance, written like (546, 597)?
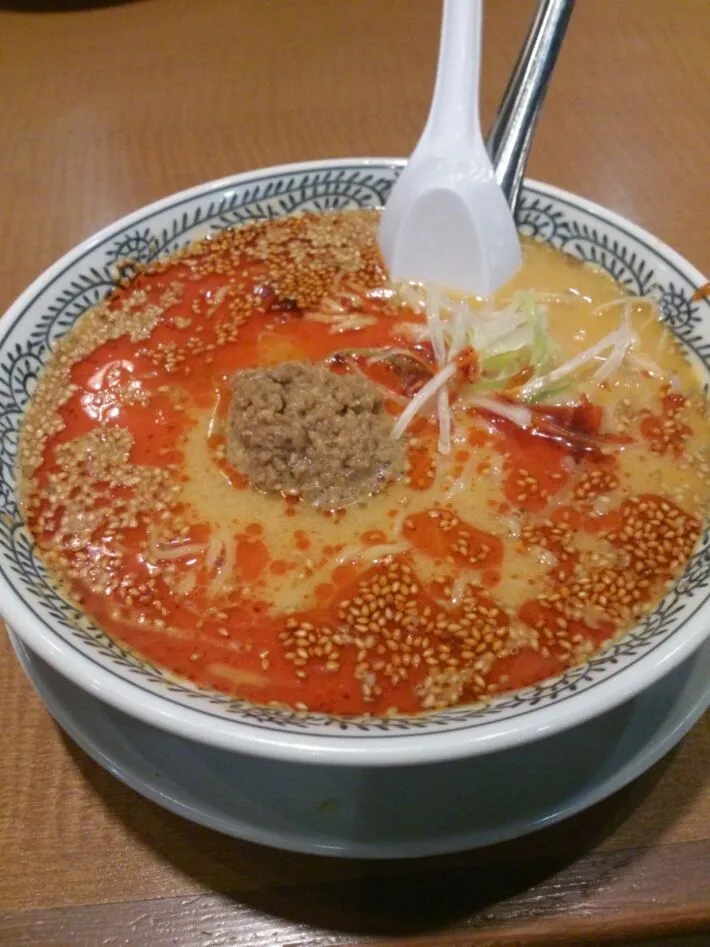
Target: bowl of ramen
(256, 494)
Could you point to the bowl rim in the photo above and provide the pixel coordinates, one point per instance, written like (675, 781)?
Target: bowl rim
(346, 748)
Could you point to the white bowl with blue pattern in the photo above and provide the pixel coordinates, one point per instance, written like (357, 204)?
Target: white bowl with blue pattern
(56, 631)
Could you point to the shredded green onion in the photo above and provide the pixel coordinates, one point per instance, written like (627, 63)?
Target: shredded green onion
(513, 349)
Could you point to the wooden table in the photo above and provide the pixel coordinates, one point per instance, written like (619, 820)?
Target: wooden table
(108, 106)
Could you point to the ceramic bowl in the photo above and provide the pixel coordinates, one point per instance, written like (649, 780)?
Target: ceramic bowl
(56, 631)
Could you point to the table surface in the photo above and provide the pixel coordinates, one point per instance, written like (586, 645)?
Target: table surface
(107, 106)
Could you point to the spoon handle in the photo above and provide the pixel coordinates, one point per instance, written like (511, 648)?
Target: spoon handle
(511, 134)
(453, 124)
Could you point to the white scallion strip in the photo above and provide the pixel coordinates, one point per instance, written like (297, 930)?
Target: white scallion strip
(215, 549)
(414, 295)
(459, 328)
(490, 334)
(443, 465)
(546, 558)
(619, 337)
(614, 361)
(340, 322)
(416, 331)
(370, 553)
(342, 299)
(444, 414)
(568, 296)
(327, 318)
(225, 569)
(464, 480)
(518, 338)
(398, 522)
(185, 584)
(459, 587)
(433, 314)
(495, 472)
(645, 364)
(352, 297)
(517, 413)
(421, 398)
(352, 324)
(332, 306)
(504, 340)
(512, 526)
(216, 301)
(168, 553)
(627, 301)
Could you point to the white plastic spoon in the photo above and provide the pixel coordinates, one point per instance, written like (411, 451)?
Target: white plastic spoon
(447, 220)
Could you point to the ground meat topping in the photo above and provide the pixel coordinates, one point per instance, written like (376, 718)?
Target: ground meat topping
(301, 429)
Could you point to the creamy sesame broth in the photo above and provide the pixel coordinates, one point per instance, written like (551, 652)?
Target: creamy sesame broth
(555, 477)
